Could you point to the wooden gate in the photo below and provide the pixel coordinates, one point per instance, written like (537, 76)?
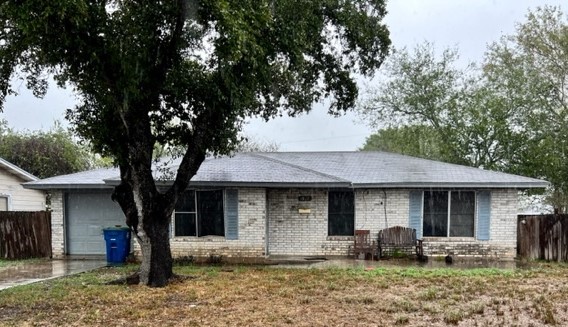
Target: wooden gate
(543, 237)
(25, 234)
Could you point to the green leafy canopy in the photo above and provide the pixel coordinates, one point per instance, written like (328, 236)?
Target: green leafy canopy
(46, 153)
(189, 63)
(185, 74)
(510, 113)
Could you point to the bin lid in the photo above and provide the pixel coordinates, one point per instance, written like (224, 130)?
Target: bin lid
(116, 227)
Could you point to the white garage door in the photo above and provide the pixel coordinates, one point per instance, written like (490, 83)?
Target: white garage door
(87, 214)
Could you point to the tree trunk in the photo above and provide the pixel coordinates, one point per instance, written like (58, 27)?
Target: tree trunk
(148, 211)
(148, 215)
(154, 240)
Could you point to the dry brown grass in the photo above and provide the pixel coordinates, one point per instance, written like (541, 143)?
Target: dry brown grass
(252, 296)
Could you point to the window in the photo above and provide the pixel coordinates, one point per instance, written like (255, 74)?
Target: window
(200, 213)
(435, 213)
(3, 203)
(341, 213)
(462, 213)
(449, 213)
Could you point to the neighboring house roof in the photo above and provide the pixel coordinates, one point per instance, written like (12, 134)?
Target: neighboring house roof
(10, 167)
(316, 169)
(86, 179)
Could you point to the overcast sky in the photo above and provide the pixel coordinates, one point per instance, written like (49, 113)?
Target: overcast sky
(468, 24)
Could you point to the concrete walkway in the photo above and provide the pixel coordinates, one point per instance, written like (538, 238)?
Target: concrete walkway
(28, 273)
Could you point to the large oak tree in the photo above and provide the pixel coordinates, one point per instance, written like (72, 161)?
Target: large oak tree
(185, 73)
(464, 120)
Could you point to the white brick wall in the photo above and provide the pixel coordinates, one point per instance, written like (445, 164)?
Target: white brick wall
(294, 233)
(252, 232)
(57, 224)
(504, 206)
(503, 231)
(374, 212)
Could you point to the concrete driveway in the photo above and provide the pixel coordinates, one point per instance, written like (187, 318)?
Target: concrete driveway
(28, 273)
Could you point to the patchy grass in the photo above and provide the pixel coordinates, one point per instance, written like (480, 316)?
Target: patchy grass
(264, 296)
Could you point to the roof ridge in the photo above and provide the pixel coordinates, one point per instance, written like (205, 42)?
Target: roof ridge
(463, 166)
(259, 155)
(409, 157)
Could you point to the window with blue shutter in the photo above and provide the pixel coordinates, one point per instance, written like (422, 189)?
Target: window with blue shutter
(415, 212)
(448, 213)
(232, 214)
(483, 215)
(200, 213)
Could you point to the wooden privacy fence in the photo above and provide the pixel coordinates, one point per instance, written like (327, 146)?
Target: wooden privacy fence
(25, 234)
(543, 237)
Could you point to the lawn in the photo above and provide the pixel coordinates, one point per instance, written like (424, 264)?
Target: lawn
(267, 296)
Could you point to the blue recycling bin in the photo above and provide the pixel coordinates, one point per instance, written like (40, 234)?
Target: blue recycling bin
(117, 244)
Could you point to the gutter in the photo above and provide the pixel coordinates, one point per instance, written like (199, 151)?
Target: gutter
(109, 184)
(39, 186)
(454, 185)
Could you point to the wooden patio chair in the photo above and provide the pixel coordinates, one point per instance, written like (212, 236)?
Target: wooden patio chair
(398, 237)
(365, 245)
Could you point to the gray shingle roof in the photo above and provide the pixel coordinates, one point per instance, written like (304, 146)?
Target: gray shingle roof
(256, 168)
(319, 169)
(383, 169)
(86, 179)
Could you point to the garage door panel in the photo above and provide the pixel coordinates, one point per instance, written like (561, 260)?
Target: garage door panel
(87, 215)
(95, 230)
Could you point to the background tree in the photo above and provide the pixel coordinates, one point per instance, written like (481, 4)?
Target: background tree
(254, 144)
(420, 141)
(529, 71)
(508, 114)
(426, 96)
(185, 73)
(46, 154)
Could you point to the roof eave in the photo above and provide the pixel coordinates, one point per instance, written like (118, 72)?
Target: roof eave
(111, 183)
(13, 169)
(38, 186)
(488, 185)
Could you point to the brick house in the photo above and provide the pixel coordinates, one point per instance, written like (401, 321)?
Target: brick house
(306, 203)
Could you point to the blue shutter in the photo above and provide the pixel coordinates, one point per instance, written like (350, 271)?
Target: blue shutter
(483, 215)
(415, 212)
(232, 214)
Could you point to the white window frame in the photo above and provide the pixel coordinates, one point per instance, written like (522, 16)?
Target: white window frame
(188, 212)
(8, 201)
